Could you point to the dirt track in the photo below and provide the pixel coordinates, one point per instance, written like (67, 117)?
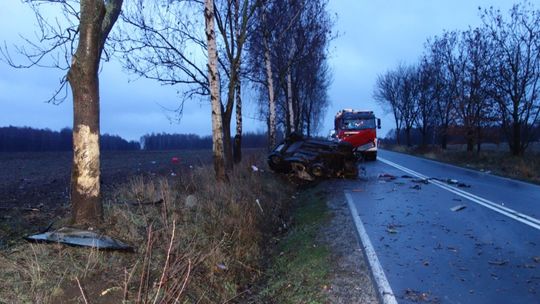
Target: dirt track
(34, 187)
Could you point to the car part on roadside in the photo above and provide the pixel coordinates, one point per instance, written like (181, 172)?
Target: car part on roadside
(310, 159)
(79, 237)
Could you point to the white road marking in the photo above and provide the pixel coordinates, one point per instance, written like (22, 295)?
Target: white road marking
(520, 217)
(385, 291)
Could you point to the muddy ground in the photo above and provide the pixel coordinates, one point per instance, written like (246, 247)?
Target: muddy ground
(34, 186)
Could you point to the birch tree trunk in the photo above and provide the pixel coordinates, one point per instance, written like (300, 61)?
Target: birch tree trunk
(237, 148)
(96, 21)
(271, 100)
(213, 77)
(290, 102)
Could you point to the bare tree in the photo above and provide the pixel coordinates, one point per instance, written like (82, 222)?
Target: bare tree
(291, 40)
(386, 93)
(426, 95)
(516, 41)
(213, 77)
(82, 38)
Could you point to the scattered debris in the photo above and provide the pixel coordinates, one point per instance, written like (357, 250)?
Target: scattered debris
(391, 230)
(79, 237)
(173, 174)
(259, 204)
(175, 160)
(424, 181)
(536, 259)
(386, 176)
(254, 168)
(416, 296)
(498, 262)
(463, 185)
(222, 266)
(416, 187)
(406, 176)
(451, 248)
(451, 181)
(458, 208)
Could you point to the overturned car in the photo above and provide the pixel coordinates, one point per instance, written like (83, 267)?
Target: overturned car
(309, 159)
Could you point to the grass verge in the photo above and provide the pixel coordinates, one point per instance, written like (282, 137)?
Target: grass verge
(196, 240)
(299, 271)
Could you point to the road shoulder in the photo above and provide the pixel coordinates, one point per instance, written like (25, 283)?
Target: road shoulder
(351, 280)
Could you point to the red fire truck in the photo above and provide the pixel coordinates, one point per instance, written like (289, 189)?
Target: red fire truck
(359, 128)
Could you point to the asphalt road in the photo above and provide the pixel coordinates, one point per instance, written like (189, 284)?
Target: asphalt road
(422, 251)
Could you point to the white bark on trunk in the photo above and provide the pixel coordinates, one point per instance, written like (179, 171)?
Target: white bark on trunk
(213, 78)
(290, 102)
(271, 101)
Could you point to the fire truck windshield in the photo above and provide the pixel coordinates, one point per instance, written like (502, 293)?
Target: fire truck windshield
(358, 124)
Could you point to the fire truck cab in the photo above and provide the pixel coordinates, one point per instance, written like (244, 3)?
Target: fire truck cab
(359, 128)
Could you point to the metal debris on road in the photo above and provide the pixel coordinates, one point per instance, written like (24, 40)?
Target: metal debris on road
(79, 237)
(386, 176)
(421, 181)
(458, 208)
(498, 263)
(416, 296)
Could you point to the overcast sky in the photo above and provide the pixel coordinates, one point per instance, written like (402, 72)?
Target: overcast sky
(374, 36)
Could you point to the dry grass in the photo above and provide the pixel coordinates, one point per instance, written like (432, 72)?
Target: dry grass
(208, 251)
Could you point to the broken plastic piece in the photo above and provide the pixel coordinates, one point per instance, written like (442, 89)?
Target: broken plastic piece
(387, 176)
(458, 208)
(79, 237)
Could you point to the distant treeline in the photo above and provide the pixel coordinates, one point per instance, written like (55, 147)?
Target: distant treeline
(165, 141)
(25, 139)
(456, 135)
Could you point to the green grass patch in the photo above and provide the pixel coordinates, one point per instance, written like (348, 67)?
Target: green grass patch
(299, 271)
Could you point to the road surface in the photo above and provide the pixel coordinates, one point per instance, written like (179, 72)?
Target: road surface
(420, 250)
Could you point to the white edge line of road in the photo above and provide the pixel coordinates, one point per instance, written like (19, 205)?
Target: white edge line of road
(523, 218)
(385, 291)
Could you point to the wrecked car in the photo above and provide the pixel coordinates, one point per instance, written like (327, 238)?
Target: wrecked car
(309, 158)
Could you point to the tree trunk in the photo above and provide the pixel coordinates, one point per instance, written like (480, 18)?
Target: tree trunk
(83, 79)
(290, 103)
(213, 77)
(470, 140)
(408, 136)
(271, 101)
(237, 149)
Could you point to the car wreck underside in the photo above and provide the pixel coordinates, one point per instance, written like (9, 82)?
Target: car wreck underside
(310, 159)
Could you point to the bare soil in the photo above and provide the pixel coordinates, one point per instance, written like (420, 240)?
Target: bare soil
(34, 187)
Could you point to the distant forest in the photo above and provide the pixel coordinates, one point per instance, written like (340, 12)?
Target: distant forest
(165, 141)
(25, 139)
